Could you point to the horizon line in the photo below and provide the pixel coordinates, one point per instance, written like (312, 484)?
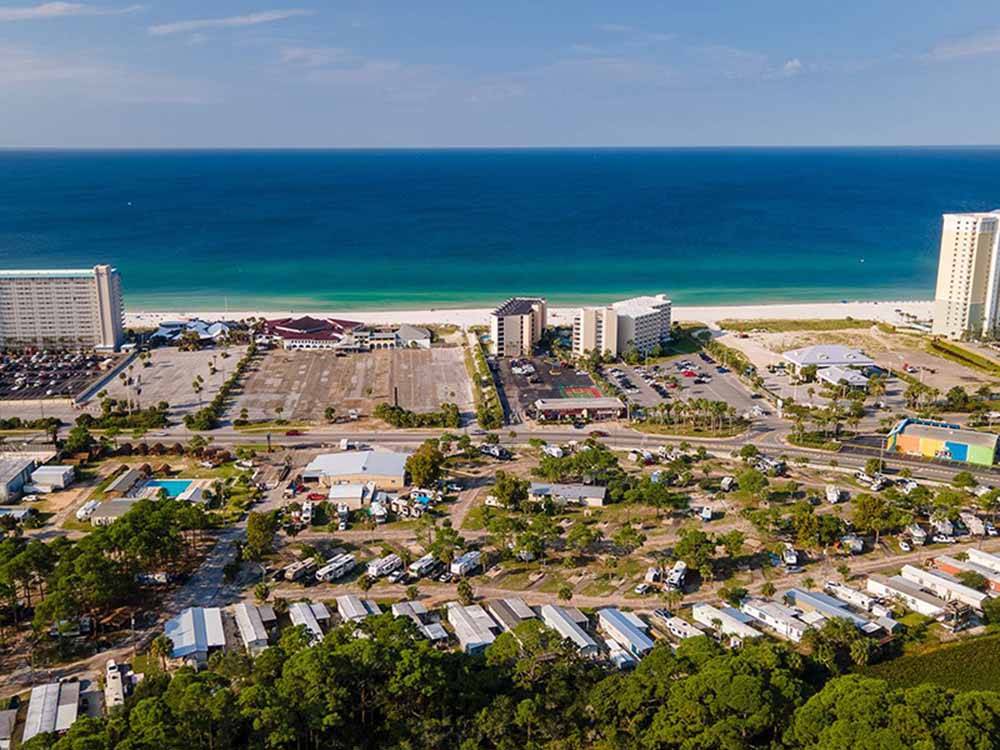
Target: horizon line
(718, 147)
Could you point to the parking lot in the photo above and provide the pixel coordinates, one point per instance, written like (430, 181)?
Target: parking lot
(650, 385)
(545, 378)
(28, 377)
(170, 377)
(304, 383)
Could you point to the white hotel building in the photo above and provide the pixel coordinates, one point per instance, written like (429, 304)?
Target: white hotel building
(62, 309)
(967, 296)
(642, 322)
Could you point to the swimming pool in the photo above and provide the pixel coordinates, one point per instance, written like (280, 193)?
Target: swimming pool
(174, 487)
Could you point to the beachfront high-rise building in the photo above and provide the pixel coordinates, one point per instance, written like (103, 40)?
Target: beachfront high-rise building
(639, 322)
(62, 309)
(595, 329)
(517, 325)
(643, 322)
(967, 298)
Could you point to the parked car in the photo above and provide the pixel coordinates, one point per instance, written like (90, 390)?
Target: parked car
(642, 589)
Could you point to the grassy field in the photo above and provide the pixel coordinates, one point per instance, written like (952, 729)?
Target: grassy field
(955, 353)
(970, 665)
(787, 326)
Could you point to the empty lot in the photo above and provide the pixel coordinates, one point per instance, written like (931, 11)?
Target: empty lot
(304, 383)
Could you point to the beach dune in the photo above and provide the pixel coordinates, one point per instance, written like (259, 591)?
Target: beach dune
(888, 312)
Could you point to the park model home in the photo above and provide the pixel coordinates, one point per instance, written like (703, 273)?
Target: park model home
(194, 633)
(590, 495)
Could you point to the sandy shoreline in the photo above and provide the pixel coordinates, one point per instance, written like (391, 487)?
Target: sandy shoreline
(465, 317)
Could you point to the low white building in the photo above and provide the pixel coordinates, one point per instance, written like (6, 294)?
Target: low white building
(305, 614)
(473, 627)
(249, 622)
(908, 593)
(195, 633)
(781, 619)
(681, 629)
(559, 619)
(945, 586)
(986, 559)
(53, 477)
(52, 708)
(837, 375)
(726, 621)
(590, 495)
(827, 355)
(626, 629)
(355, 609)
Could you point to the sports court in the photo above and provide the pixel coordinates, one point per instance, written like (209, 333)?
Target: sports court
(579, 391)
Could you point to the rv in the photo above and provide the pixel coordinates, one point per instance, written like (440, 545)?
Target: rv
(465, 564)
(306, 516)
(675, 578)
(833, 494)
(727, 484)
(336, 567)
(299, 569)
(705, 513)
(423, 566)
(383, 566)
(789, 557)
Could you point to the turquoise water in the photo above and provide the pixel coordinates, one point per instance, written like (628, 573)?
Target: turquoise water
(174, 487)
(309, 230)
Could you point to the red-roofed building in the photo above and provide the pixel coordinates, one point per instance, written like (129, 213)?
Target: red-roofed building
(315, 333)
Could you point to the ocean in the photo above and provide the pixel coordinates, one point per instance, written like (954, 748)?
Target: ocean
(364, 229)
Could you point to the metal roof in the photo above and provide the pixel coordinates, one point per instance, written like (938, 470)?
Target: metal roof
(825, 355)
(250, 624)
(473, 627)
(350, 463)
(354, 609)
(624, 631)
(559, 620)
(11, 468)
(195, 631)
(836, 373)
(826, 605)
(946, 432)
(573, 491)
(300, 613)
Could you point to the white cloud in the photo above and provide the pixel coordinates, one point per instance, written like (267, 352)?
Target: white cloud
(251, 19)
(19, 66)
(315, 57)
(986, 43)
(60, 10)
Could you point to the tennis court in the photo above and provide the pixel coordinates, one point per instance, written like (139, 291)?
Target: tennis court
(579, 391)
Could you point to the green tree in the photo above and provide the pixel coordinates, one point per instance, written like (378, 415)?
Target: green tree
(79, 440)
(261, 528)
(465, 593)
(424, 465)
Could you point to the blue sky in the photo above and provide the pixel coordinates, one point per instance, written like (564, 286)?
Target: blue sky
(512, 73)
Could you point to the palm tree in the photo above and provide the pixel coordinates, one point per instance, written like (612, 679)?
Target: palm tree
(162, 647)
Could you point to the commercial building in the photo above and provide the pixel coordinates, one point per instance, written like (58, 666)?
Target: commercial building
(943, 440)
(591, 495)
(910, 594)
(53, 477)
(726, 621)
(313, 333)
(510, 612)
(473, 627)
(386, 469)
(517, 325)
(595, 329)
(826, 355)
(585, 408)
(781, 619)
(195, 633)
(945, 586)
(626, 629)
(837, 376)
(15, 472)
(51, 708)
(968, 282)
(253, 631)
(355, 609)
(62, 309)
(562, 620)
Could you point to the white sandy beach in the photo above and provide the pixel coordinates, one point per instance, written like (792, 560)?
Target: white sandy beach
(465, 317)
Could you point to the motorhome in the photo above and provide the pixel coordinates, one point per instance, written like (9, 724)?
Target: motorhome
(465, 564)
(423, 566)
(336, 567)
(299, 569)
(833, 494)
(676, 576)
(383, 566)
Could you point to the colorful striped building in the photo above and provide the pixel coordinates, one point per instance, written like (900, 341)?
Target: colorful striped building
(942, 440)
